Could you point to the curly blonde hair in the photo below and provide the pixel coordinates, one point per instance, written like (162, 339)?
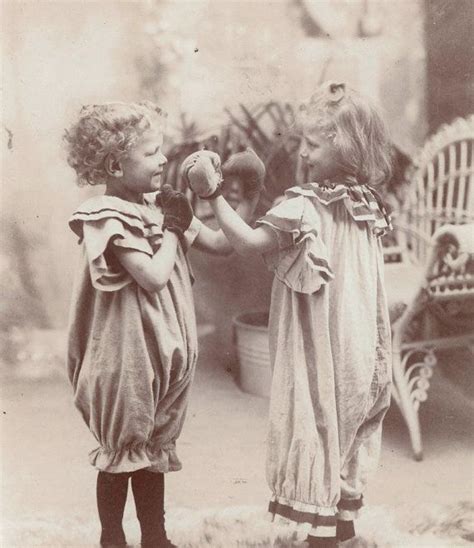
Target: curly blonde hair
(355, 127)
(103, 129)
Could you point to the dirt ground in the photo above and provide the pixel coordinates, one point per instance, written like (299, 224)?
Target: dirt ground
(48, 487)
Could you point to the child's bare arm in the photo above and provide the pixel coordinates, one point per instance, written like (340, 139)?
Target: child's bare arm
(203, 174)
(243, 238)
(215, 241)
(151, 273)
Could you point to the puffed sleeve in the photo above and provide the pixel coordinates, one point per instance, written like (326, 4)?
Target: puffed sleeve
(301, 260)
(100, 224)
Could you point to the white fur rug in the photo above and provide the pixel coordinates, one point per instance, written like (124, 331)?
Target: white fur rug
(248, 527)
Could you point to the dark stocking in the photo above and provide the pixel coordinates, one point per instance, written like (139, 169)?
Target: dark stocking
(149, 494)
(111, 499)
(344, 530)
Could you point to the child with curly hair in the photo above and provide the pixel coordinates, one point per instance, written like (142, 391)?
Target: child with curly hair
(329, 326)
(132, 344)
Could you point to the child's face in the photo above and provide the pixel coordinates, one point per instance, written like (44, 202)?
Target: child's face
(142, 167)
(320, 156)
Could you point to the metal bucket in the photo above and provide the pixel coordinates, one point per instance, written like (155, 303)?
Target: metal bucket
(251, 340)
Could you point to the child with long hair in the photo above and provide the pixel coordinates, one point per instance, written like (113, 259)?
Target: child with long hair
(132, 346)
(329, 325)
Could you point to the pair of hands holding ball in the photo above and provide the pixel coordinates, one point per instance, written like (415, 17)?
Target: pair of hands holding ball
(203, 173)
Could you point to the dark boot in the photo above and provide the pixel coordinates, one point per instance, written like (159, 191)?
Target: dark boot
(344, 530)
(149, 494)
(111, 499)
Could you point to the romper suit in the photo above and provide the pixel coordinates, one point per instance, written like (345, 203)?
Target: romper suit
(131, 353)
(330, 349)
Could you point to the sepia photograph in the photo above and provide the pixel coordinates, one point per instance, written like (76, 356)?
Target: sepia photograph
(237, 274)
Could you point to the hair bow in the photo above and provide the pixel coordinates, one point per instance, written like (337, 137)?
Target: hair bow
(337, 91)
(329, 93)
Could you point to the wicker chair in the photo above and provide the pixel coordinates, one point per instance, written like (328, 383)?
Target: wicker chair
(430, 267)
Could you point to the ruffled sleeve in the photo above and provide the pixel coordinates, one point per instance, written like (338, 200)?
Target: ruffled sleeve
(301, 260)
(104, 221)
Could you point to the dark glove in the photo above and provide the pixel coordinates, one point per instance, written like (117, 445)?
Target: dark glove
(176, 209)
(247, 167)
(202, 172)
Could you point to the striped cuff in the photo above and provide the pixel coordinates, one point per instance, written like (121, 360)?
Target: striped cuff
(324, 525)
(348, 509)
(293, 513)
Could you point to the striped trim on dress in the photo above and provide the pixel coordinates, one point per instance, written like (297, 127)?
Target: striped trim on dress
(362, 202)
(132, 221)
(321, 521)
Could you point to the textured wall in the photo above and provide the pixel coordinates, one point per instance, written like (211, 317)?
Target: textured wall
(56, 57)
(223, 53)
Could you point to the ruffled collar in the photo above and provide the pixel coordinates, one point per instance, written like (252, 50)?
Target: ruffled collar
(362, 202)
(145, 218)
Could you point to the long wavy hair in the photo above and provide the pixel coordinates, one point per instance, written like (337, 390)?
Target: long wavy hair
(356, 128)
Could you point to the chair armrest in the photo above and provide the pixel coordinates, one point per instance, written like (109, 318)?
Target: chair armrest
(461, 236)
(453, 248)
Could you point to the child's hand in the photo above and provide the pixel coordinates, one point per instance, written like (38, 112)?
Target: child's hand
(202, 172)
(176, 209)
(247, 167)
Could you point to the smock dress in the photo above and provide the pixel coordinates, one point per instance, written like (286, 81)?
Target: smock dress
(131, 353)
(330, 352)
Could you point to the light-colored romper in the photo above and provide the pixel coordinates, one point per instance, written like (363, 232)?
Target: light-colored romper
(330, 351)
(131, 353)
